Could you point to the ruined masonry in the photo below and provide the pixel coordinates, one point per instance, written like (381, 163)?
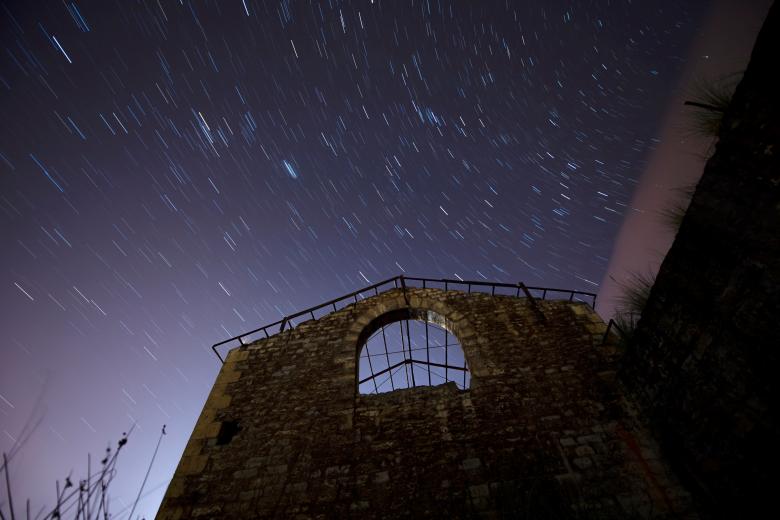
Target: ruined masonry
(545, 430)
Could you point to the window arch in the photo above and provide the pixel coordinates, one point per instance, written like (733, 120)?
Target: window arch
(407, 348)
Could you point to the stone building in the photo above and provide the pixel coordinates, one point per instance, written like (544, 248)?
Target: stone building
(543, 428)
(539, 429)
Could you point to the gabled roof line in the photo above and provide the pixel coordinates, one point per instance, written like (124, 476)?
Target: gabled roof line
(401, 281)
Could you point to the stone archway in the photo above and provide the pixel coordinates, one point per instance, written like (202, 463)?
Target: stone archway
(425, 305)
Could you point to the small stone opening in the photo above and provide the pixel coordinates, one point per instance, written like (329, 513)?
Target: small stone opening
(227, 430)
(409, 348)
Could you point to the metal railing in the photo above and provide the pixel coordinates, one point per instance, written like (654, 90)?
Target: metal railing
(612, 323)
(404, 282)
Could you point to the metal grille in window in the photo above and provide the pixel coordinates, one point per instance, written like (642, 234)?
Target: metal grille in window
(411, 352)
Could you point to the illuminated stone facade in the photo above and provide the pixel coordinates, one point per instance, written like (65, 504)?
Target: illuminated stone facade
(543, 432)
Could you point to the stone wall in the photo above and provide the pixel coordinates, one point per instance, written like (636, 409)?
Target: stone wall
(704, 363)
(542, 432)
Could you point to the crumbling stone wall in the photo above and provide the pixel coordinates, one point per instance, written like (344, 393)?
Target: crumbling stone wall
(542, 432)
(705, 359)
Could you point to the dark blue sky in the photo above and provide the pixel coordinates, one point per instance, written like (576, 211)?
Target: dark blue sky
(174, 173)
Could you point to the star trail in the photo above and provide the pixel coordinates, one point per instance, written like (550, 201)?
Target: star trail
(175, 173)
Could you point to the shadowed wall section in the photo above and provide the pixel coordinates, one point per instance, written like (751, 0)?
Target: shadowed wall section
(543, 429)
(705, 359)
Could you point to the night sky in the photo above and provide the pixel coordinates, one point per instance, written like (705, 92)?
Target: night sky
(175, 173)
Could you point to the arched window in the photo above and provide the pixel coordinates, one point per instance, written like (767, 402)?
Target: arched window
(408, 348)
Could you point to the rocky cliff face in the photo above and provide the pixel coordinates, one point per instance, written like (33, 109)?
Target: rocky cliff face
(705, 355)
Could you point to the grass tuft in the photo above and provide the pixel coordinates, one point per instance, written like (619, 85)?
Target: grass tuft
(630, 304)
(672, 216)
(708, 101)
